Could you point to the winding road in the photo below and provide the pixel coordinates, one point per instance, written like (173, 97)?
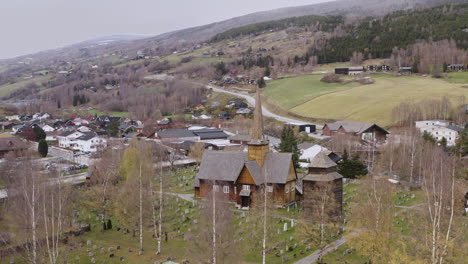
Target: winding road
(265, 111)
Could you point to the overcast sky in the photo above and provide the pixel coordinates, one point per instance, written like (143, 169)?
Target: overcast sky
(28, 26)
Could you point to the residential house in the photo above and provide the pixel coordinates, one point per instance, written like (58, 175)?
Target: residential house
(12, 144)
(241, 176)
(81, 141)
(405, 70)
(243, 111)
(309, 151)
(240, 139)
(47, 128)
(13, 117)
(199, 107)
(365, 131)
(456, 67)
(224, 115)
(201, 117)
(349, 70)
(6, 125)
(440, 129)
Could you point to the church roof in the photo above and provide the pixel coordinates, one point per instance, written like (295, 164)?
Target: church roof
(321, 160)
(221, 165)
(227, 166)
(323, 177)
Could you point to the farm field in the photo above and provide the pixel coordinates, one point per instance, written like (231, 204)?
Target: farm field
(458, 77)
(7, 89)
(307, 96)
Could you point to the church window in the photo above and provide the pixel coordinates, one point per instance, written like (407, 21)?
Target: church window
(225, 189)
(216, 188)
(246, 187)
(270, 188)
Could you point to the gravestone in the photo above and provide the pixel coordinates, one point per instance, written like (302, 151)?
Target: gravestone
(285, 227)
(122, 258)
(89, 242)
(93, 260)
(292, 223)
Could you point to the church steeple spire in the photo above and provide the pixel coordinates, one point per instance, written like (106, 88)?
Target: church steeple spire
(257, 129)
(256, 132)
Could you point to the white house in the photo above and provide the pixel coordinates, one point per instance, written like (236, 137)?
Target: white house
(83, 129)
(67, 138)
(440, 129)
(12, 117)
(89, 142)
(41, 116)
(426, 123)
(82, 141)
(48, 128)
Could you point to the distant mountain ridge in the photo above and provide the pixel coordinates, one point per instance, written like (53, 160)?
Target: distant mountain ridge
(349, 8)
(341, 7)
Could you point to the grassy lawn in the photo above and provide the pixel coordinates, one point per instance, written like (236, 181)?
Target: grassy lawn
(307, 96)
(99, 113)
(291, 92)
(182, 180)
(458, 77)
(7, 89)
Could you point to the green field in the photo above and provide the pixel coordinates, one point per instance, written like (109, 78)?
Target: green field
(7, 89)
(291, 92)
(100, 113)
(307, 96)
(458, 77)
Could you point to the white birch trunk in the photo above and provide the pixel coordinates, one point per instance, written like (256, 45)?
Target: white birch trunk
(160, 209)
(214, 225)
(33, 219)
(141, 210)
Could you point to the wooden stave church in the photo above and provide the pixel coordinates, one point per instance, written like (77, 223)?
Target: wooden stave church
(240, 176)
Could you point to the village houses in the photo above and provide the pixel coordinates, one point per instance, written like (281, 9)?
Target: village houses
(440, 129)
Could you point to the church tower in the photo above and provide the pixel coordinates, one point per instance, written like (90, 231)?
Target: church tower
(258, 146)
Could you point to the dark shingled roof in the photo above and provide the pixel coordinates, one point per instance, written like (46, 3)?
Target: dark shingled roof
(87, 136)
(240, 137)
(67, 133)
(321, 160)
(226, 166)
(222, 166)
(210, 134)
(323, 177)
(176, 133)
(351, 127)
(455, 128)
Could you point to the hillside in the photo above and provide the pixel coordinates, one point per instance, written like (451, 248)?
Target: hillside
(170, 41)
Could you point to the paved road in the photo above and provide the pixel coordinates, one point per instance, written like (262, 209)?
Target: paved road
(312, 258)
(73, 179)
(266, 112)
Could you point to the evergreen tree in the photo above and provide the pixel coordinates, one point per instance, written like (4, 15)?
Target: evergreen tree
(461, 146)
(267, 71)
(113, 129)
(351, 168)
(443, 142)
(43, 148)
(428, 137)
(261, 83)
(289, 144)
(40, 133)
(109, 224)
